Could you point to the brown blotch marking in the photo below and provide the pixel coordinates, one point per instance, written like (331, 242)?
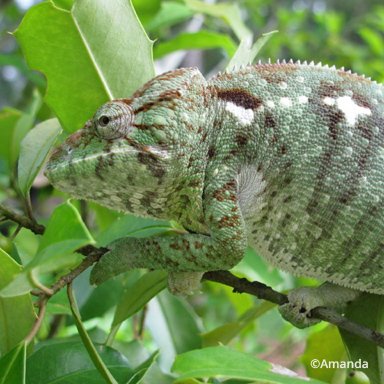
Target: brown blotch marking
(283, 149)
(211, 152)
(175, 246)
(239, 97)
(204, 137)
(352, 77)
(151, 162)
(125, 101)
(269, 120)
(241, 140)
(275, 73)
(220, 194)
(329, 90)
(334, 119)
(186, 244)
(198, 245)
(169, 96)
(165, 76)
(361, 100)
(229, 221)
(365, 130)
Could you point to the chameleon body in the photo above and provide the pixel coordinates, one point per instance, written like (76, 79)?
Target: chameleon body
(287, 157)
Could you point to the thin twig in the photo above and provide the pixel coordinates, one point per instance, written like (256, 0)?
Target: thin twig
(264, 292)
(40, 317)
(22, 220)
(93, 256)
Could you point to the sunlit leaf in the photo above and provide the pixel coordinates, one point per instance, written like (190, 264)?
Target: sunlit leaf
(16, 313)
(84, 65)
(229, 363)
(196, 40)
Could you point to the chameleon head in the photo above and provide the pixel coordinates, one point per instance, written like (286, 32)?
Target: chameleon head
(111, 161)
(134, 155)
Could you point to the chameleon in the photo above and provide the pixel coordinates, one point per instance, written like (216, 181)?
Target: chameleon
(287, 157)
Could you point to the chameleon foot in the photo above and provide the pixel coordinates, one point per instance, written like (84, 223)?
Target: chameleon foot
(302, 300)
(184, 283)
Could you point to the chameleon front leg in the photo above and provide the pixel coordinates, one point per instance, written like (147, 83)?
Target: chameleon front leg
(187, 256)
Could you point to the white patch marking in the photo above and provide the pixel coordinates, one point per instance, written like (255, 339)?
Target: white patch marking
(283, 85)
(329, 101)
(251, 187)
(120, 151)
(270, 104)
(286, 102)
(300, 79)
(303, 99)
(158, 152)
(245, 116)
(349, 151)
(351, 110)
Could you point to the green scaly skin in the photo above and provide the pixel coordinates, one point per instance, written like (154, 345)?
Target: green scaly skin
(286, 157)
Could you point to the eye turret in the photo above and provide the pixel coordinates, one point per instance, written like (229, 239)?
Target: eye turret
(113, 120)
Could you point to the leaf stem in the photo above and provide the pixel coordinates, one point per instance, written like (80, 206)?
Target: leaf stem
(92, 352)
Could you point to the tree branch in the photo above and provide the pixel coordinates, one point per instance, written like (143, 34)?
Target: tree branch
(264, 292)
(22, 220)
(239, 285)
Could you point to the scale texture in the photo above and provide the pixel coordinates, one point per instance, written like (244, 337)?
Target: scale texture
(286, 157)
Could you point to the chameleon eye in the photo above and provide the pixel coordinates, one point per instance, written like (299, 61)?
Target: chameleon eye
(103, 121)
(113, 120)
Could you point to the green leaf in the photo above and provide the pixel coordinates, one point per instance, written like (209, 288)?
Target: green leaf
(246, 52)
(230, 13)
(152, 374)
(171, 13)
(137, 295)
(225, 333)
(34, 150)
(197, 40)
(367, 310)
(146, 9)
(324, 345)
(84, 65)
(8, 120)
(64, 362)
(173, 325)
(23, 125)
(16, 313)
(129, 225)
(65, 232)
(228, 363)
(12, 366)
